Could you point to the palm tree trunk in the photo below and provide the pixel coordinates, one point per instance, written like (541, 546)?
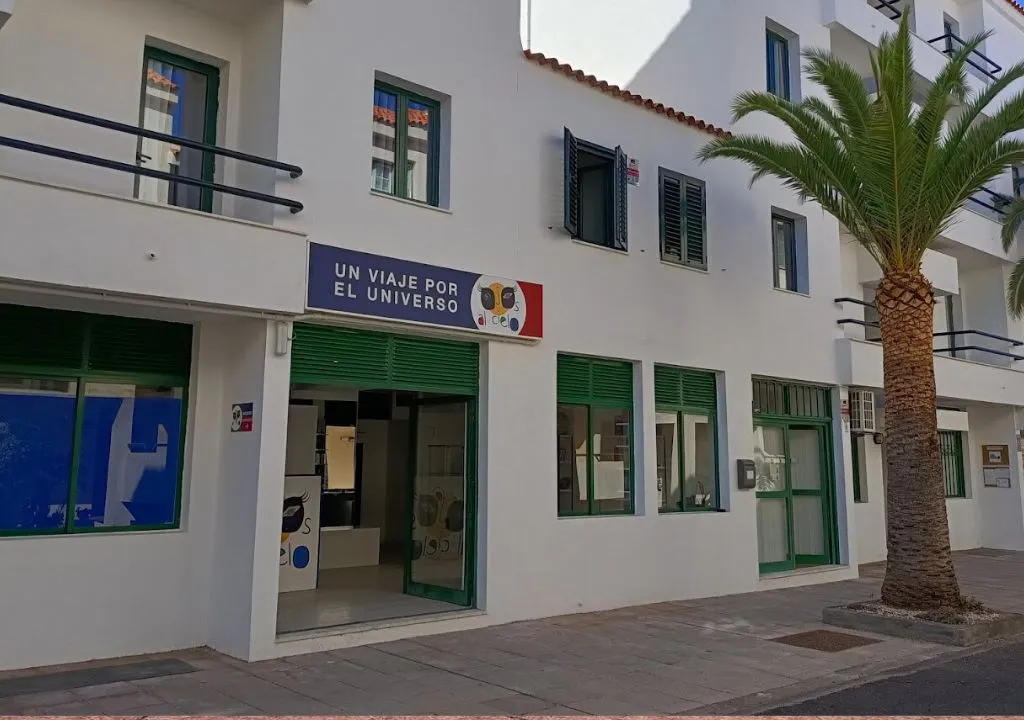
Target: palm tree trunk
(919, 571)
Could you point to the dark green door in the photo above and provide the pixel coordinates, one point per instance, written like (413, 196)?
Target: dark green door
(793, 499)
(439, 561)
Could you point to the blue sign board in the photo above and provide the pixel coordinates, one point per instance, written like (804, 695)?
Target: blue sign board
(359, 283)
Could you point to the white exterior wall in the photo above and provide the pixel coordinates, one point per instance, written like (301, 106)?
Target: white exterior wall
(297, 84)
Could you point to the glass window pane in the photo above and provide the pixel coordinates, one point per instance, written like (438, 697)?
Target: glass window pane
(37, 420)
(804, 449)
(174, 102)
(699, 458)
(667, 442)
(770, 458)
(572, 460)
(382, 165)
(129, 458)
(612, 447)
(772, 530)
(418, 151)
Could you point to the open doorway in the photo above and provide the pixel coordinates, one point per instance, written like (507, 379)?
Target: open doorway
(378, 513)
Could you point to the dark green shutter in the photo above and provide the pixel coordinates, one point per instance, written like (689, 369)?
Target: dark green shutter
(676, 387)
(73, 342)
(696, 242)
(38, 337)
(774, 397)
(586, 381)
(671, 201)
(571, 170)
(951, 450)
(132, 345)
(365, 359)
(620, 201)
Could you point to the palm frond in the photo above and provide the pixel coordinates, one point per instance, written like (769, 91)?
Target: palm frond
(1013, 218)
(1015, 291)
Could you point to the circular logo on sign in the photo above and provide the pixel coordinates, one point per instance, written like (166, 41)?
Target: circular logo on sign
(236, 418)
(498, 306)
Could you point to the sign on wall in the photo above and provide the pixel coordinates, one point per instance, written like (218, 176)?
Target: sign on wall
(300, 533)
(359, 283)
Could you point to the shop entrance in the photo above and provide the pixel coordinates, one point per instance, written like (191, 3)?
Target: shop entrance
(796, 524)
(379, 513)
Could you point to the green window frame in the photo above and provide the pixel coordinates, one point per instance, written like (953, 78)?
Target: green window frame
(784, 252)
(856, 447)
(594, 387)
(402, 169)
(951, 451)
(689, 393)
(66, 346)
(683, 219)
(612, 193)
(212, 107)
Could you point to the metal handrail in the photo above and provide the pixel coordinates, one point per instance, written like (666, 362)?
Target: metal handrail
(990, 72)
(855, 321)
(855, 301)
(293, 170)
(979, 348)
(998, 204)
(982, 333)
(889, 5)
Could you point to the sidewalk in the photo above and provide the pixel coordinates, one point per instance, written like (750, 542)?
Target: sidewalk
(713, 656)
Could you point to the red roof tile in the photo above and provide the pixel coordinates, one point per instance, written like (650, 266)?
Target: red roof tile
(1016, 6)
(419, 118)
(157, 79)
(626, 95)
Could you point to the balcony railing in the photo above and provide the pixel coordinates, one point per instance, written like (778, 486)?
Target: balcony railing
(991, 200)
(951, 334)
(174, 179)
(889, 8)
(951, 43)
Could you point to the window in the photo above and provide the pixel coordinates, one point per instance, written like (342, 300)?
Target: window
(789, 253)
(778, 65)
(683, 219)
(595, 193)
(179, 98)
(595, 437)
(1018, 179)
(686, 438)
(92, 413)
(951, 450)
(951, 31)
(857, 451)
(406, 145)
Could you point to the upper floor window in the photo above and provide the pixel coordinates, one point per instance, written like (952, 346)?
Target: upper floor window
(595, 193)
(406, 142)
(179, 98)
(778, 65)
(789, 252)
(683, 219)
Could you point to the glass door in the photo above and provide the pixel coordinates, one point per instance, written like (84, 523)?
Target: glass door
(442, 509)
(806, 472)
(792, 495)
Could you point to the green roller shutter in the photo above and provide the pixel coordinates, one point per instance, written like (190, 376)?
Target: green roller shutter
(324, 355)
(73, 342)
(676, 387)
(588, 381)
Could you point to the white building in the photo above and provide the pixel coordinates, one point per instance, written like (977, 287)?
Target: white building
(482, 417)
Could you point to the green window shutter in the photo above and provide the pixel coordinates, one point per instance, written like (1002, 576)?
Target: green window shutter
(339, 356)
(573, 380)
(676, 387)
(41, 338)
(791, 400)
(585, 381)
(699, 388)
(696, 218)
(620, 202)
(121, 344)
(951, 450)
(671, 201)
(366, 359)
(571, 171)
(434, 365)
(668, 388)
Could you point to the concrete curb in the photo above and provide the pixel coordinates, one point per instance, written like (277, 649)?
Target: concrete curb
(1005, 625)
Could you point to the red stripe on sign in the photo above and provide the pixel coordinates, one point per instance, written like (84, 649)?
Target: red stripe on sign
(534, 325)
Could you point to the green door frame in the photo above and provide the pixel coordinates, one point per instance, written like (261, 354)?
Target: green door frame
(211, 100)
(467, 596)
(826, 492)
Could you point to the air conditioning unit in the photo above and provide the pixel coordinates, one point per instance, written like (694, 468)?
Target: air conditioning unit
(862, 411)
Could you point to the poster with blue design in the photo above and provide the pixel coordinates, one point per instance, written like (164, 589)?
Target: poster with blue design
(300, 533)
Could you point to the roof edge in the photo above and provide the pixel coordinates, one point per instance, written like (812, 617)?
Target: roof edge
(631, 97)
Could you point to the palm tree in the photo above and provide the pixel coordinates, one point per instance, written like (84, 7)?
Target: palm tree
(895, 176)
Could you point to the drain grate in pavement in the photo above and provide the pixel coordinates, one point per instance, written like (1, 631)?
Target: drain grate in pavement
(825, 640)
(86, 677)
